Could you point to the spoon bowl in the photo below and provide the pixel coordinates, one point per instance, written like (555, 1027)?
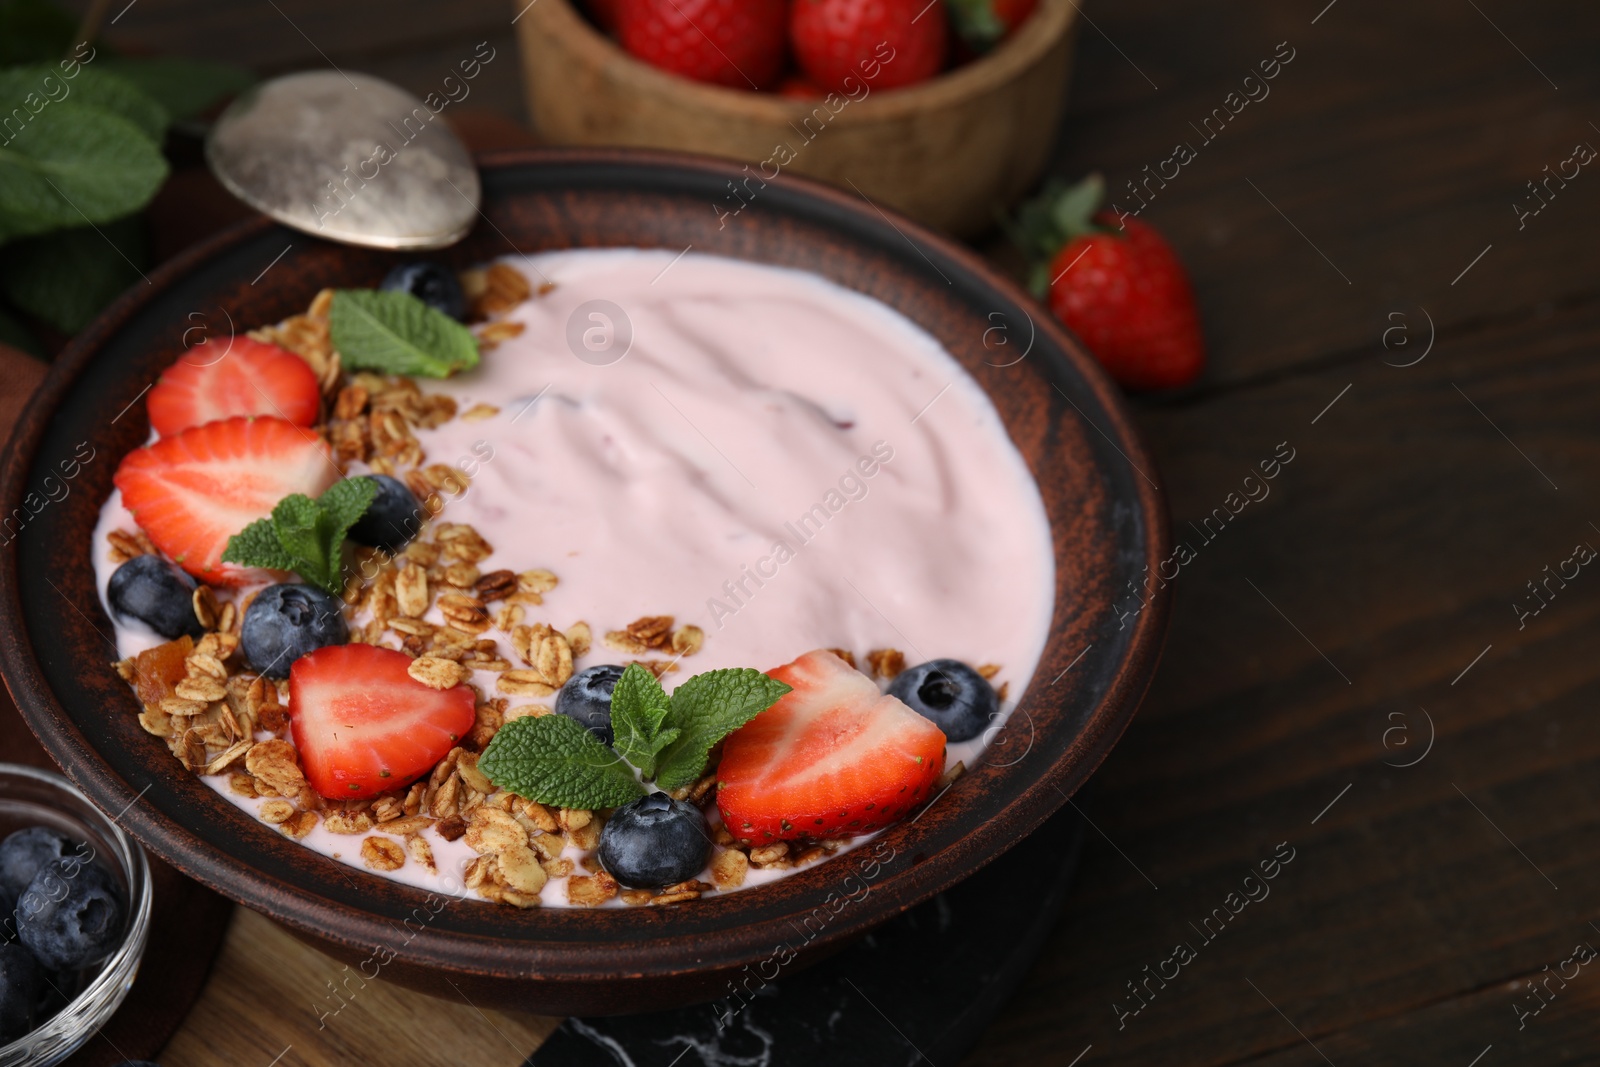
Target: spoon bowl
(347, 157)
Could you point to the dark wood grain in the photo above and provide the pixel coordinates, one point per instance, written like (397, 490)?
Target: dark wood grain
(1396, 542)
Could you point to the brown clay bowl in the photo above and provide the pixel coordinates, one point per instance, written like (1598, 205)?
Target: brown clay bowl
(1107, 521)
(949, 151)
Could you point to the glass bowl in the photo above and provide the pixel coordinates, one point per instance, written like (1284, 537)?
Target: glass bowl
(32, 797)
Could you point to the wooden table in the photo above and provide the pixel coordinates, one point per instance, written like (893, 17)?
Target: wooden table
(1347, 671)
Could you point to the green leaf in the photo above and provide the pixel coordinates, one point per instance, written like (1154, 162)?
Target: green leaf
(17, 335)
(707, 708)
(41, 86)
(32, 30)
(639, 710)
(344, 502)
(72, 164)
(554, 760)
(304, 535)
(1074, 208)
(307, 534)
(257, 546)
(185, 87)
(67, 278)
(395, 333)
(976, 23)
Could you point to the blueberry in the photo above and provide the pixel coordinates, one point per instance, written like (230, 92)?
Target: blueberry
(285, 622)
(157, 593)
(71, 914)
(57, 989)
(587, 698)
(655, 841)
(26, 852)
(19, 992)
(393, 518)
(430, 283)
(956, 698)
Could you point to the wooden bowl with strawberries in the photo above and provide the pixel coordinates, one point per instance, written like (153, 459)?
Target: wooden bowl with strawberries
(950, 150)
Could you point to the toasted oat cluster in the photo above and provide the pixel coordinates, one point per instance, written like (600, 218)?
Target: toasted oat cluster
(433, 602)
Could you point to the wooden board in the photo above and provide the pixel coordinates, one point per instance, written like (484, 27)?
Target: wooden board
(271, 997)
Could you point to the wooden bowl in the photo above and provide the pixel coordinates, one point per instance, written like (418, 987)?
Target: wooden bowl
(1107, 524)
(950, 152)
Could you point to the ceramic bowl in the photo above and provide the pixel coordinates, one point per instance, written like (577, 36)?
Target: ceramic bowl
(1107, 522)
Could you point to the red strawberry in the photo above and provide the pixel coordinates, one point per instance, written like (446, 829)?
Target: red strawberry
(250, 378)
(846, 44)
(363, 725)
(982, 24)
(192, 491)
(1117, 284)
(738, 43)
(833, 758)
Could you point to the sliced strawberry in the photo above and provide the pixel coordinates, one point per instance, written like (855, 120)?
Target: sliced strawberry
(250, 378)
(363, 725)
(193, 491)
(833, 758)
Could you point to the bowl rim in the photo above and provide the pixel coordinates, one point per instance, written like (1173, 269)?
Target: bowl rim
(657, 953)
(1010, 59)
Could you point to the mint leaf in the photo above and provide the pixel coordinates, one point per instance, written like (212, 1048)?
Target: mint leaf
(257, 546)
(395, 333)
(304, 531)
(554, 760)
(639, 711)
(304, 535)
(41, 86)
(72, 164)
(185, 87)
(66, 278)
(707, 708)
(344, 502)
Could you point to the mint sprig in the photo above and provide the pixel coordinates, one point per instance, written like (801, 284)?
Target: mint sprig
(304, 535)
(553, 759)
(707, 708)
(639, 712)
(666, 738)
(395, 333)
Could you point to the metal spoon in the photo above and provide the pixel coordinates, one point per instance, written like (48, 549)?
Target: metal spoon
(350, 158)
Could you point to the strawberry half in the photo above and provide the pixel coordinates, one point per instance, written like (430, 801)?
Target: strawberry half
(250, 378)
(364, 726)
(833, 758)
(193, 491)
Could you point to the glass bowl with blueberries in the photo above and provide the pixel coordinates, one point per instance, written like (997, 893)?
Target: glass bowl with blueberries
(76, 897)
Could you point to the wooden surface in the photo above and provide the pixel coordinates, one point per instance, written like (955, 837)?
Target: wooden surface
(270, 996)
(1322, 631)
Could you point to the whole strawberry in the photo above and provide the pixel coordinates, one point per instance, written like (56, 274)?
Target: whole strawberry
(1119, 287)
(846, 44)
(737, 43)
(982, 24)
